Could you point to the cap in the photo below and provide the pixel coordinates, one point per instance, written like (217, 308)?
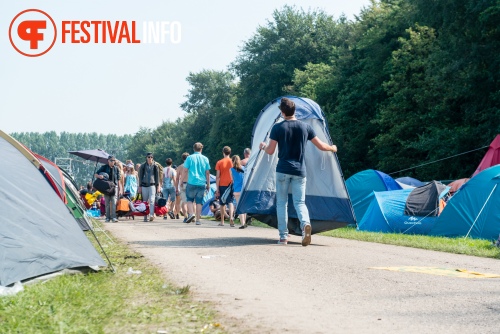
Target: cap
(149, 154)
(110, 157)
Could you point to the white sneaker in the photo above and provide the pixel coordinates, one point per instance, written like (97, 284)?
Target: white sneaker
(190, 218)
(198, 223)
(306, 235)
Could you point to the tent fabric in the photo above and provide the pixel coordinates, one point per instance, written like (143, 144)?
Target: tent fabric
(75, 204)
(492, 156)
(54, 176)
(455, 185)
(424, 200)
(385, 213)
(410, 181)
(38, 235)
(362, 184)
(474, 210)
(326, 195)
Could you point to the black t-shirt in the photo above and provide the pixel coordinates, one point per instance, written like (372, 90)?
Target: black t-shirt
(292, 137)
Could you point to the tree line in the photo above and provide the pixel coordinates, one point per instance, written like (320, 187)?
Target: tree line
(404, 83)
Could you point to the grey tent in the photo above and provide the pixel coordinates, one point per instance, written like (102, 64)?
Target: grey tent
(38, 235)
(424, 200)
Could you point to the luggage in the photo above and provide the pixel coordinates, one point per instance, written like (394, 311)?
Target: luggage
(122, 207)
(104, 186)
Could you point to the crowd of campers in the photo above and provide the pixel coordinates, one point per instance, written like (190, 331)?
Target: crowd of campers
(130, 202)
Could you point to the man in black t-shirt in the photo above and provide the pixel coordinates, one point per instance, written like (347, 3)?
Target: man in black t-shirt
(291, 137)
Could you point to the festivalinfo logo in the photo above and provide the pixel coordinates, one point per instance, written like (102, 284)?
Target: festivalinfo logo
(33, 32)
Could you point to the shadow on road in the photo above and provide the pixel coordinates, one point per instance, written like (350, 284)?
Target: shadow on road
(212, 242)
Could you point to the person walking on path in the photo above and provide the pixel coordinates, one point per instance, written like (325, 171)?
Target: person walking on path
(149, 178)
(198, 182)
(246, 154)
(182, 177)
(223, 182)
(170, 187)
(238, 172)
(291, 137)
(114, 175)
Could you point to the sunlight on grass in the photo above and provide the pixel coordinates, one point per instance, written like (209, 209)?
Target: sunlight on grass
(475, 247)
(103, 302)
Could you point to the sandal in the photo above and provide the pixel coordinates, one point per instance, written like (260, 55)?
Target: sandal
(231, 223)
(220, 224)
(243, 226)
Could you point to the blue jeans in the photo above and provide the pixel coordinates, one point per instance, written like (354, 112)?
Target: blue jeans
(298, 185)
(195, 193)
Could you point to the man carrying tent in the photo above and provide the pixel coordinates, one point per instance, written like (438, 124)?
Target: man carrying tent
(291, 136)
(114, 175)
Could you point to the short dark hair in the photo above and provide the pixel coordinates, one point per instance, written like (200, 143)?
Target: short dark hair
(149, 154)
(287, 106)
(168, 161)
(184, 156)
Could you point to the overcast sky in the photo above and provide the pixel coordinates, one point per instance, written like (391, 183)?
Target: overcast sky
(118, 88)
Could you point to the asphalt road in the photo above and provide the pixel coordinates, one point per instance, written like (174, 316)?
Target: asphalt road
(330, 286)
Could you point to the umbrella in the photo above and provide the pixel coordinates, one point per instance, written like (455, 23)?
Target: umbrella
(92, 155)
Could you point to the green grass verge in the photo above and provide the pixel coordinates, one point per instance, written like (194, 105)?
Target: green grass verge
(106, 302)
(475, 247)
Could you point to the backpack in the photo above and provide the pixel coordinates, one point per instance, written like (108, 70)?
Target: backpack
(105, 187)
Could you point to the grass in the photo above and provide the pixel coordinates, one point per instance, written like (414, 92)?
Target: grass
(474, 247)
(106, 302)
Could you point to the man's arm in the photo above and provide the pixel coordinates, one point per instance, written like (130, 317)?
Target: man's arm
(207, 175)
(269, 149)
(323, 146)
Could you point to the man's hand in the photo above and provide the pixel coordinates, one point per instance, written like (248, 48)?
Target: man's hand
(334, 148)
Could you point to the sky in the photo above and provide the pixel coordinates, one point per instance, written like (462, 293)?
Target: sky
(119, 88)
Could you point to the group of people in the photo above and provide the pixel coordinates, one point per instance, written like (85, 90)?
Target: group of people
(186, 186)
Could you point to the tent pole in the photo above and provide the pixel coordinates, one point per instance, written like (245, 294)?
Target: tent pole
(487, 200)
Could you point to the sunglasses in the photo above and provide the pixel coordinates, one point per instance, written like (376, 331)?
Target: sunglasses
(149, 157)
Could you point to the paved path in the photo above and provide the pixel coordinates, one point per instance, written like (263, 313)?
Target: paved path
(327, 287)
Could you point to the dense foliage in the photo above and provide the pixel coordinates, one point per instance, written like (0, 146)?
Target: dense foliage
(405, 83)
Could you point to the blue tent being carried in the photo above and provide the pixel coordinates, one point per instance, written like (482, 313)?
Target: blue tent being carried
(474, 211)
(326, 195)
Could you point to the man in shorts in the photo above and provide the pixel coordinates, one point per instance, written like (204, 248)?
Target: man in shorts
(198, 182)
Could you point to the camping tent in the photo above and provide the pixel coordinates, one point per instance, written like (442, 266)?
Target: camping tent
(385, 213)
(363, 183)
(326, 196)
(38, 235)
(424, 201)
(409, 181)
(75, 204)
(492, 156)
(474, 210)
